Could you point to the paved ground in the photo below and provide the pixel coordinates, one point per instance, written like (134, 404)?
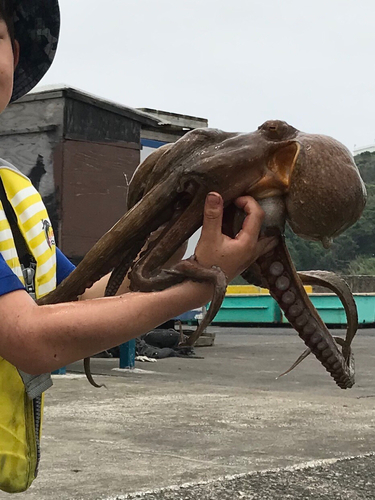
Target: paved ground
(348, 479)
(222, 425)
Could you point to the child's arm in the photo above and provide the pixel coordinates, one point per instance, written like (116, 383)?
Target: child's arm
(40, 339)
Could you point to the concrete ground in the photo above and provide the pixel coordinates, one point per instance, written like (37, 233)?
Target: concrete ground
(222, 426)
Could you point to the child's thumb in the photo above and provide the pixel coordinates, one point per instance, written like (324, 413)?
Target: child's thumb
(213, 215)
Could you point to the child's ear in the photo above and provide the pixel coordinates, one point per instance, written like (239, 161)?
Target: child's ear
(16, 53)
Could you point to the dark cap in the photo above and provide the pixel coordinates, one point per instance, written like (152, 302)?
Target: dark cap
(36, 28)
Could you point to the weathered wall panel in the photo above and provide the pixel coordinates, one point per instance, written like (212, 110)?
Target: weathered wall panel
(76, 148)
(31, 114)
(93, 191)
(33, 155)
(87, 122)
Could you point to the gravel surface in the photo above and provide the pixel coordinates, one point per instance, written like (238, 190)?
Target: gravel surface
(347, 479)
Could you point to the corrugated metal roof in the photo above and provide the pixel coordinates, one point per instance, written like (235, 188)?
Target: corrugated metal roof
(60, 90)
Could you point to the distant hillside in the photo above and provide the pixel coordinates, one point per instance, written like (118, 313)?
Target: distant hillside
(366, 164)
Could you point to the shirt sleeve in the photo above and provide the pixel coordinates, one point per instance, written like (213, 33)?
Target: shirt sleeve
(8, 280)
(63, 266)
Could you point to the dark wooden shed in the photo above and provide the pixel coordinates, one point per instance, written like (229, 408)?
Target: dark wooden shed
(79, 151)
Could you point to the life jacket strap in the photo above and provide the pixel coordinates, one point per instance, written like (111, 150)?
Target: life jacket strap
(35, 385)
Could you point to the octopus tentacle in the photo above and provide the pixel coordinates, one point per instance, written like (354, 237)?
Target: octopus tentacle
(86, 366)
(119, 273)
(114, 283)
(299, 360)
(341, 288)
(285, 286)
(190, 269)
(116, 249)
(108, 252)
(147, 274)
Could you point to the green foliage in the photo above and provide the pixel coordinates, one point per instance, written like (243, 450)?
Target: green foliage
(308, 255)
(366, 164)
(362, 265)
(238, 280)
(354, 251)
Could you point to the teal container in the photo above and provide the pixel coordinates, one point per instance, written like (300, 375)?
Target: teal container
(332, 311)
(248, 308)
(262, 308)
(366, 308)
(329, 308)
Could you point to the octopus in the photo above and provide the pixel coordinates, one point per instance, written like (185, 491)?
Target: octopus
(308, 181)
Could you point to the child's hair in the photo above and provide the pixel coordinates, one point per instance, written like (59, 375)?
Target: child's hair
(6, 14)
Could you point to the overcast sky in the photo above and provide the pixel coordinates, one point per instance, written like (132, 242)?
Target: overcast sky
(235, 62)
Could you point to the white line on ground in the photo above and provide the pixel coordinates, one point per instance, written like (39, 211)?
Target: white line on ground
(303, 465)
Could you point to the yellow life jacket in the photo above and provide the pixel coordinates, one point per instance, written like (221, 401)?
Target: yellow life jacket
(21, 408)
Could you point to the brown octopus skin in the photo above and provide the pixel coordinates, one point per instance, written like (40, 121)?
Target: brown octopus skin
(314, 176)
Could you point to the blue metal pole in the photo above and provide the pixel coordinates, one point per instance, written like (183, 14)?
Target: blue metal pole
(60, 371)
(127, 354)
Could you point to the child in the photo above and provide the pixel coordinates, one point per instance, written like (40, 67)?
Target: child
(41, 339)
(53, 336)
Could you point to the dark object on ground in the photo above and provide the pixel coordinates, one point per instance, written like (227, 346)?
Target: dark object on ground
(162, 338)
(103, 354)
(165, 326)
(144, 349)
(115, 351)
(159, 344)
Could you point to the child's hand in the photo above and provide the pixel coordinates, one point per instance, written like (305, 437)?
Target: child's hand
(232, 255)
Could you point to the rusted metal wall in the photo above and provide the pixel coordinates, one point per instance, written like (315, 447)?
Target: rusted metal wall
(91, 180)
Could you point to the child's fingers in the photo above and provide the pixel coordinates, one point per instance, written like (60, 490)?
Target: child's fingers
(249, 206)
(266, 244)
(253, 222)
(213, 216)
